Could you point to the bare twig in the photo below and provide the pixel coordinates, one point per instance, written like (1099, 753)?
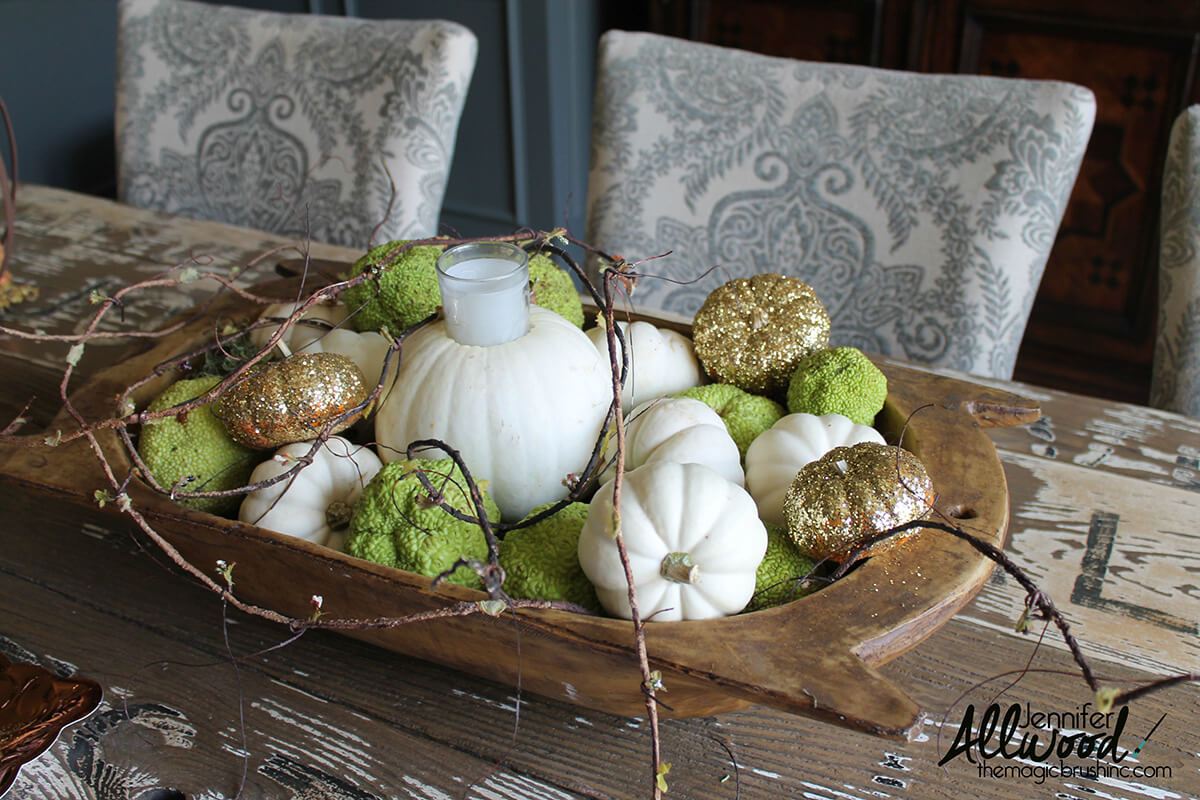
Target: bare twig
(649, 683)
(1035, 597)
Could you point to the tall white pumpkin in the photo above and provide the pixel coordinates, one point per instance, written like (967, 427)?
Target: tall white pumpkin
(524, 414)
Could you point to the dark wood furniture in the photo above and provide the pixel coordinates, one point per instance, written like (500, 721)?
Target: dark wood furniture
(1092, 327)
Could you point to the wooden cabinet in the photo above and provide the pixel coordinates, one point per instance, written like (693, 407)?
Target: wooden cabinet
(1092, 327)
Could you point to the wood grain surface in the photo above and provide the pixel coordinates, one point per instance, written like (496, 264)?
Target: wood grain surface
(207, 704)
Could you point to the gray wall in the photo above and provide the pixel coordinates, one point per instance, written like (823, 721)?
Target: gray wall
(522, 151)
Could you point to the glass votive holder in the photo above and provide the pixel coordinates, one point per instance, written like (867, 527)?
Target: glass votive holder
(485, 292)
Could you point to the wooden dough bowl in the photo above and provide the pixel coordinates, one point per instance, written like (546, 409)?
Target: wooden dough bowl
(815, 656)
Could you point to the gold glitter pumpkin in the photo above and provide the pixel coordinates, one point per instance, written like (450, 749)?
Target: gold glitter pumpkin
(751, 332)
(853, 492)
(292, 400)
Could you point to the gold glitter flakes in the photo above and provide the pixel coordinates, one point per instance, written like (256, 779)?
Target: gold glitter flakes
(853, 492)
(292, 400)
(751, 331)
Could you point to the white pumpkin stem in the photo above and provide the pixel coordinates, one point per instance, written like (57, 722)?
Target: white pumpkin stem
(337, 515)
(678, 567)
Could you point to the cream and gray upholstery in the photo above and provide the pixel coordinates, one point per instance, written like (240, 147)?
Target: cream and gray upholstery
(1176, 382)
(921, 208)
(291, 123)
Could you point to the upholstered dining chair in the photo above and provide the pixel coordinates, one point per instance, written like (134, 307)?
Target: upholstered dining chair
(921, 208)
(1175, 385)
(297, 124)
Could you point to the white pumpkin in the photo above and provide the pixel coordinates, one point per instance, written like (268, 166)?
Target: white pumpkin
(694, 542)
(299, 335)
(677, 429)
(314, 503)
(525, 414)
(778, 453)
(661, 361)
(367, 349)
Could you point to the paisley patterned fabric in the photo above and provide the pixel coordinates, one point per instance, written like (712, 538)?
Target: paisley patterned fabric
(921, 208)
(1176, 382)
(289, 123)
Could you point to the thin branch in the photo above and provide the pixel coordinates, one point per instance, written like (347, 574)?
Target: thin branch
(649, 682)
(1035, 597)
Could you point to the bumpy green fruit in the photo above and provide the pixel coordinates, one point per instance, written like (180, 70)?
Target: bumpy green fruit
(551, 287)
(397, 524)
(406, 291)
(839, 380)
(542, 561)
(778, 578)
(194, 445)
(745, 415)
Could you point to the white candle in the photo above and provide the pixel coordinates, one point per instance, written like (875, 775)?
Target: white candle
(485, 292)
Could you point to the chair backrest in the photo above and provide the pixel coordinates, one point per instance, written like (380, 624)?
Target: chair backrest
(1175, 385)
(291, 123)
(921, 208)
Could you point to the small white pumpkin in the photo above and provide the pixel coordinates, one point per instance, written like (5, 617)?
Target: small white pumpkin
(661, 361)
(524, 414)
(778, 453)
(677, 429)
(367, 349)
(299, 335)
(694, 542)
(313, 504)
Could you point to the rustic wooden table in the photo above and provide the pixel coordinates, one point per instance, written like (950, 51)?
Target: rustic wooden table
(202, 704)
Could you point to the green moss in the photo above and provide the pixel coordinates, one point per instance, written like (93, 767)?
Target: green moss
(551, 287)
(542, 561)
(839, 380)
(404, 292)
(397, 524)
(778, 578)
(195, 446)
(745, 415)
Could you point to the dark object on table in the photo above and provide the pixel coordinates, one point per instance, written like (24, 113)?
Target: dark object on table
(35, 705)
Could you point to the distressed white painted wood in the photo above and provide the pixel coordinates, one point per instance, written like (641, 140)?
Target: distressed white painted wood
(1119, 555)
